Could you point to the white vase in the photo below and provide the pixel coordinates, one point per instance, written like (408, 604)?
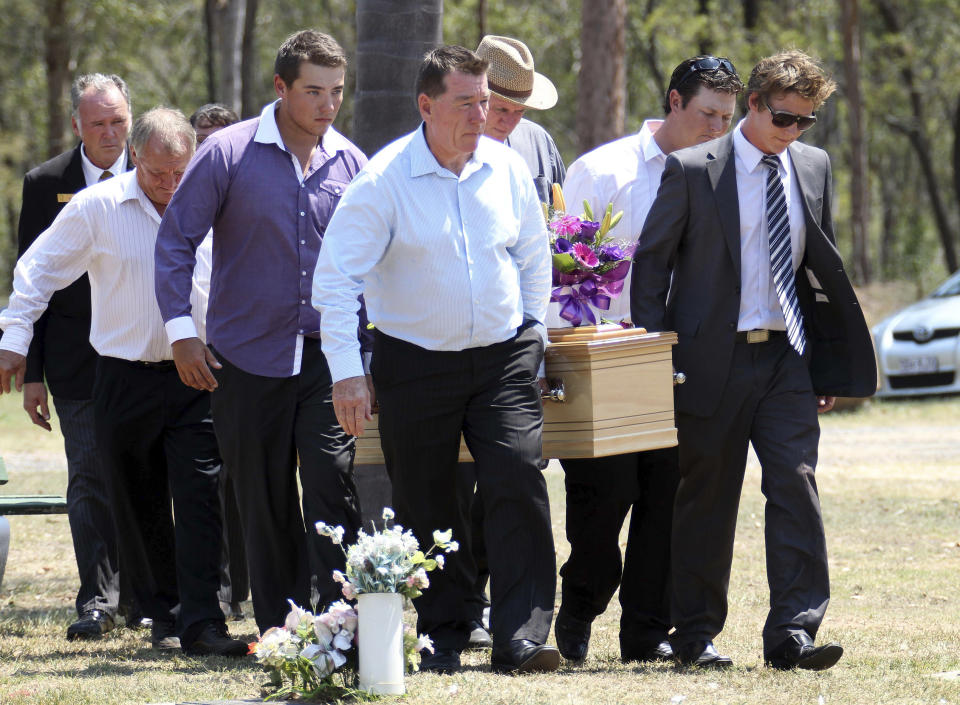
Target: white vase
(380, 641)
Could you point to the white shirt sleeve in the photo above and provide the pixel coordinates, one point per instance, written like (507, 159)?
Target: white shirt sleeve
(56, 259)
(355, 240)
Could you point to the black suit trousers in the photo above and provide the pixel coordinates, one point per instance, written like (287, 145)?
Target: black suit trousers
(157, 441)
(265, 425)
(490, 394)
(600, 492)
(768, 401)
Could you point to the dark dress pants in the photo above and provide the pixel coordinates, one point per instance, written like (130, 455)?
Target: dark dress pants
(157, 441)
(473, 510)
(234, 579)
(264, 424)
(490, 394)
(769, 402)
(88, 509)
(600, 492)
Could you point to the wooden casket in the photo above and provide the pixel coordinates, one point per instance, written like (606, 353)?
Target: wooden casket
(616, 387)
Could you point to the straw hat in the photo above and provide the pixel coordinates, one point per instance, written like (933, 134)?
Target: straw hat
(511, 75)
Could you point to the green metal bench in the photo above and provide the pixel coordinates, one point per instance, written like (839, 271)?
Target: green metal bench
(22, 504)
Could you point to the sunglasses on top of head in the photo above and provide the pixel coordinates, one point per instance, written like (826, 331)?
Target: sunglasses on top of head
(783, 118)
(708, 63)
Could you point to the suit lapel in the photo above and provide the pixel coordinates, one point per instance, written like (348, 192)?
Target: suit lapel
(722, 171)
(73, 178)
(810, 183)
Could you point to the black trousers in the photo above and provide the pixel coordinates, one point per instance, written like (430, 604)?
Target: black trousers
(600, 492)
(234, 579)
(157, 443)
(769, 402)
(88, 509)
(264, 424)
(490, 394)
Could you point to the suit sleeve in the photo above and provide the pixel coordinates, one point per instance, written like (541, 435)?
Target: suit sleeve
(660, 239)
(33, 220)
(826, 216)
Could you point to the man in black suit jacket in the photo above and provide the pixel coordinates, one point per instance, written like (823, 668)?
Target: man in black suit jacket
(61, 353)
(765, 345)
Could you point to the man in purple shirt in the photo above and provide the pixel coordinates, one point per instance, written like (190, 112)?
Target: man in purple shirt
(268, 187)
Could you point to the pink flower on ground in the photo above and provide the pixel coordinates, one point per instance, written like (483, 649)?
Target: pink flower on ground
(584, 256)
(565, 226)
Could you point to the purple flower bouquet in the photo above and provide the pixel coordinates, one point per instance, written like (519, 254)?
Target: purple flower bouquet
(588, 265)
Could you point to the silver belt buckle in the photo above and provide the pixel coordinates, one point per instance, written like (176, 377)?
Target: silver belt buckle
(758, 336)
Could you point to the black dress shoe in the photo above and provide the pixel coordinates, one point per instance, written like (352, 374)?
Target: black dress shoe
(702, 654)
(573, 637)
(479, 637)
(92, 624)
(440, 661)
(214, 640)
(799, 652)
(649, 652)
(524, 656)
(163, 635)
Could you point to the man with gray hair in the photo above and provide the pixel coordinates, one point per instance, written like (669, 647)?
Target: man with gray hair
(61, 356)
(154, 434)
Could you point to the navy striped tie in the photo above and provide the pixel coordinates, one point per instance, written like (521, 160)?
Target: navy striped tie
(781, 254)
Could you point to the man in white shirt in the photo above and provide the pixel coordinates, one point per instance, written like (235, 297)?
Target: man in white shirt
(154, 433)
(738, 256)
(699, 106)
(444, 235)
(60, 354)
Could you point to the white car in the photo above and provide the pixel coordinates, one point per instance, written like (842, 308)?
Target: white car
(918, 348)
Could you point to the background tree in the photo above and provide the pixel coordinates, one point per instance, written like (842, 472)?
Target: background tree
(602, 104)
(392, 37)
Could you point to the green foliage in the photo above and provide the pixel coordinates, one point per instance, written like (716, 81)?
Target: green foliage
(160, 49)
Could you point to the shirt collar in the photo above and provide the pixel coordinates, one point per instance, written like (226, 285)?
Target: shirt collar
(648, 146)
(423, 162)
(130, 191)
(92, 173)
(268, 133)
(749, 154)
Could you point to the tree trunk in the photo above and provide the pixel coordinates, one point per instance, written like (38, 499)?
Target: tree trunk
(602, 82)
(859, 186)
(481, 20)
(56, 55)
(705, 41)
(918, 140)
(751, 14)
(249, 63)
(226, 20)
(392, 37)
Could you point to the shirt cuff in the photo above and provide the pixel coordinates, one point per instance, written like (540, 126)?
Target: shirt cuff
(345, 367)
(16, 340)
(180, 329)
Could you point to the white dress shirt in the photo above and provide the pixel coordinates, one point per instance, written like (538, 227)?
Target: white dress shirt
(625, 172)
(109, 231)
(92, 173)
(445, 262)
(759, 305)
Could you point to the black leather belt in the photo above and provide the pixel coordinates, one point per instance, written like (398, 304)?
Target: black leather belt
(162, 365)
(758, 336)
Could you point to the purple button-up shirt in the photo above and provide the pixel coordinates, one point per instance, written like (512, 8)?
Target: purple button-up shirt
(268, 221)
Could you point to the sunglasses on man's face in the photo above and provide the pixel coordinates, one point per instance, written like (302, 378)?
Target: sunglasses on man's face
(708, 63)
(782, 118)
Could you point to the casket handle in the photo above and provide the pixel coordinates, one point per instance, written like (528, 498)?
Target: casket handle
(556, 391)
(679, 378)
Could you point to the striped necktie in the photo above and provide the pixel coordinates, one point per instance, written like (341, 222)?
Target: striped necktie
(105, 175)
(781, 254)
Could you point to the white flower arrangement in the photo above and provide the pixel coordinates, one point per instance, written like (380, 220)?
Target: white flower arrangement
(389, 560)
(302, 656)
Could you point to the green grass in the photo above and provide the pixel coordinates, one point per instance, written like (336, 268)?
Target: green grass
(889, 478)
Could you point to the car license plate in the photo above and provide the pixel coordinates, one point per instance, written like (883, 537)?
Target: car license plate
(918, 365)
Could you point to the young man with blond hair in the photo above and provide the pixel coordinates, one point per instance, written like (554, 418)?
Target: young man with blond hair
(738, 256)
